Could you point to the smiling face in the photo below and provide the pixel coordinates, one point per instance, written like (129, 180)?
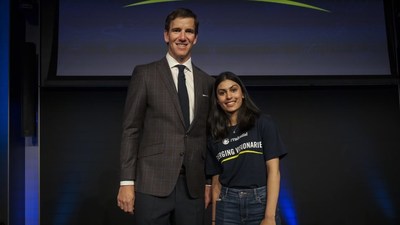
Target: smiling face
(230, 98)
(181, 38)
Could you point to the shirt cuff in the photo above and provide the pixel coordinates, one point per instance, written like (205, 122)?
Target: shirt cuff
(127, 182)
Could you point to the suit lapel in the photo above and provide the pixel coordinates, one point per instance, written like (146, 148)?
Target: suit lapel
(166, 76)
(198, 92)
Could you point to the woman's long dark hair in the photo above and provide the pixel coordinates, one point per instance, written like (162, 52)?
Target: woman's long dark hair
(218, 119)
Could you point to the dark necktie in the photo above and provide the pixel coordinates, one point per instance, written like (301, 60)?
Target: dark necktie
(183, 95)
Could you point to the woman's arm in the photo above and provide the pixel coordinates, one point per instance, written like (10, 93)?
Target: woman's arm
(273, 185)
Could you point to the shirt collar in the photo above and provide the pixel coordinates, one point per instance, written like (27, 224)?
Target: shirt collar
(172, 62)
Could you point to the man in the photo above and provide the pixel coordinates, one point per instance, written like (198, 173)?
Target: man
(162, 156)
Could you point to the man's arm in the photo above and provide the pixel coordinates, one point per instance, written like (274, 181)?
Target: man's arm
(132, 122)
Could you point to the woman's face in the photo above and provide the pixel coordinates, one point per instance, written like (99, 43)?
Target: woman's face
(230, 97)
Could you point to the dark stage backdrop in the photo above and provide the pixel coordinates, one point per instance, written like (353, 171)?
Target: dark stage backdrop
(342, 166)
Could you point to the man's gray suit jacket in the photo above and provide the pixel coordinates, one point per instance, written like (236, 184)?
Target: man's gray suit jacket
(154, 142)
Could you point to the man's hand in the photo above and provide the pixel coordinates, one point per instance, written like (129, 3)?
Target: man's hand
(126, 198)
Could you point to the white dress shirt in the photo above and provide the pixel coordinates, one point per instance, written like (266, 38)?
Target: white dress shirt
(188, 77)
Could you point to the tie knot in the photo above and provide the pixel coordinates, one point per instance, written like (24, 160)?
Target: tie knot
(181, 68)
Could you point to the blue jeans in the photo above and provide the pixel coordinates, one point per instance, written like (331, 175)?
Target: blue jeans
(242, 207)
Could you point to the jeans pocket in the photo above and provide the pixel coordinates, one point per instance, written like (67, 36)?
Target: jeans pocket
(261, 198)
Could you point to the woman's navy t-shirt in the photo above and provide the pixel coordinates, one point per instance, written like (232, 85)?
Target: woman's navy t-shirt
(240, 159)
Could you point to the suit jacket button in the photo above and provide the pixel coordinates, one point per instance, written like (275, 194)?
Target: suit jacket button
(182, 154)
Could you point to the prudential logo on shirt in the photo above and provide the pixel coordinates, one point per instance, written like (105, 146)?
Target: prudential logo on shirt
(227, 141)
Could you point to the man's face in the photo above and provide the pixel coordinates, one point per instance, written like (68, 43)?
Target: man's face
(181, 38)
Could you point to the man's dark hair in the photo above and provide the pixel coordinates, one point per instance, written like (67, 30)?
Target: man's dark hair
(181, 13)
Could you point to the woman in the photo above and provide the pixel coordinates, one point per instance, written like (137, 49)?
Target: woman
(244, 149)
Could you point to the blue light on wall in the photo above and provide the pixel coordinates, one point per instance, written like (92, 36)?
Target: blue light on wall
(4, 71)
(381, 195)
(286, 204)
(4, 74)
(372, 172)
(31, 185)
